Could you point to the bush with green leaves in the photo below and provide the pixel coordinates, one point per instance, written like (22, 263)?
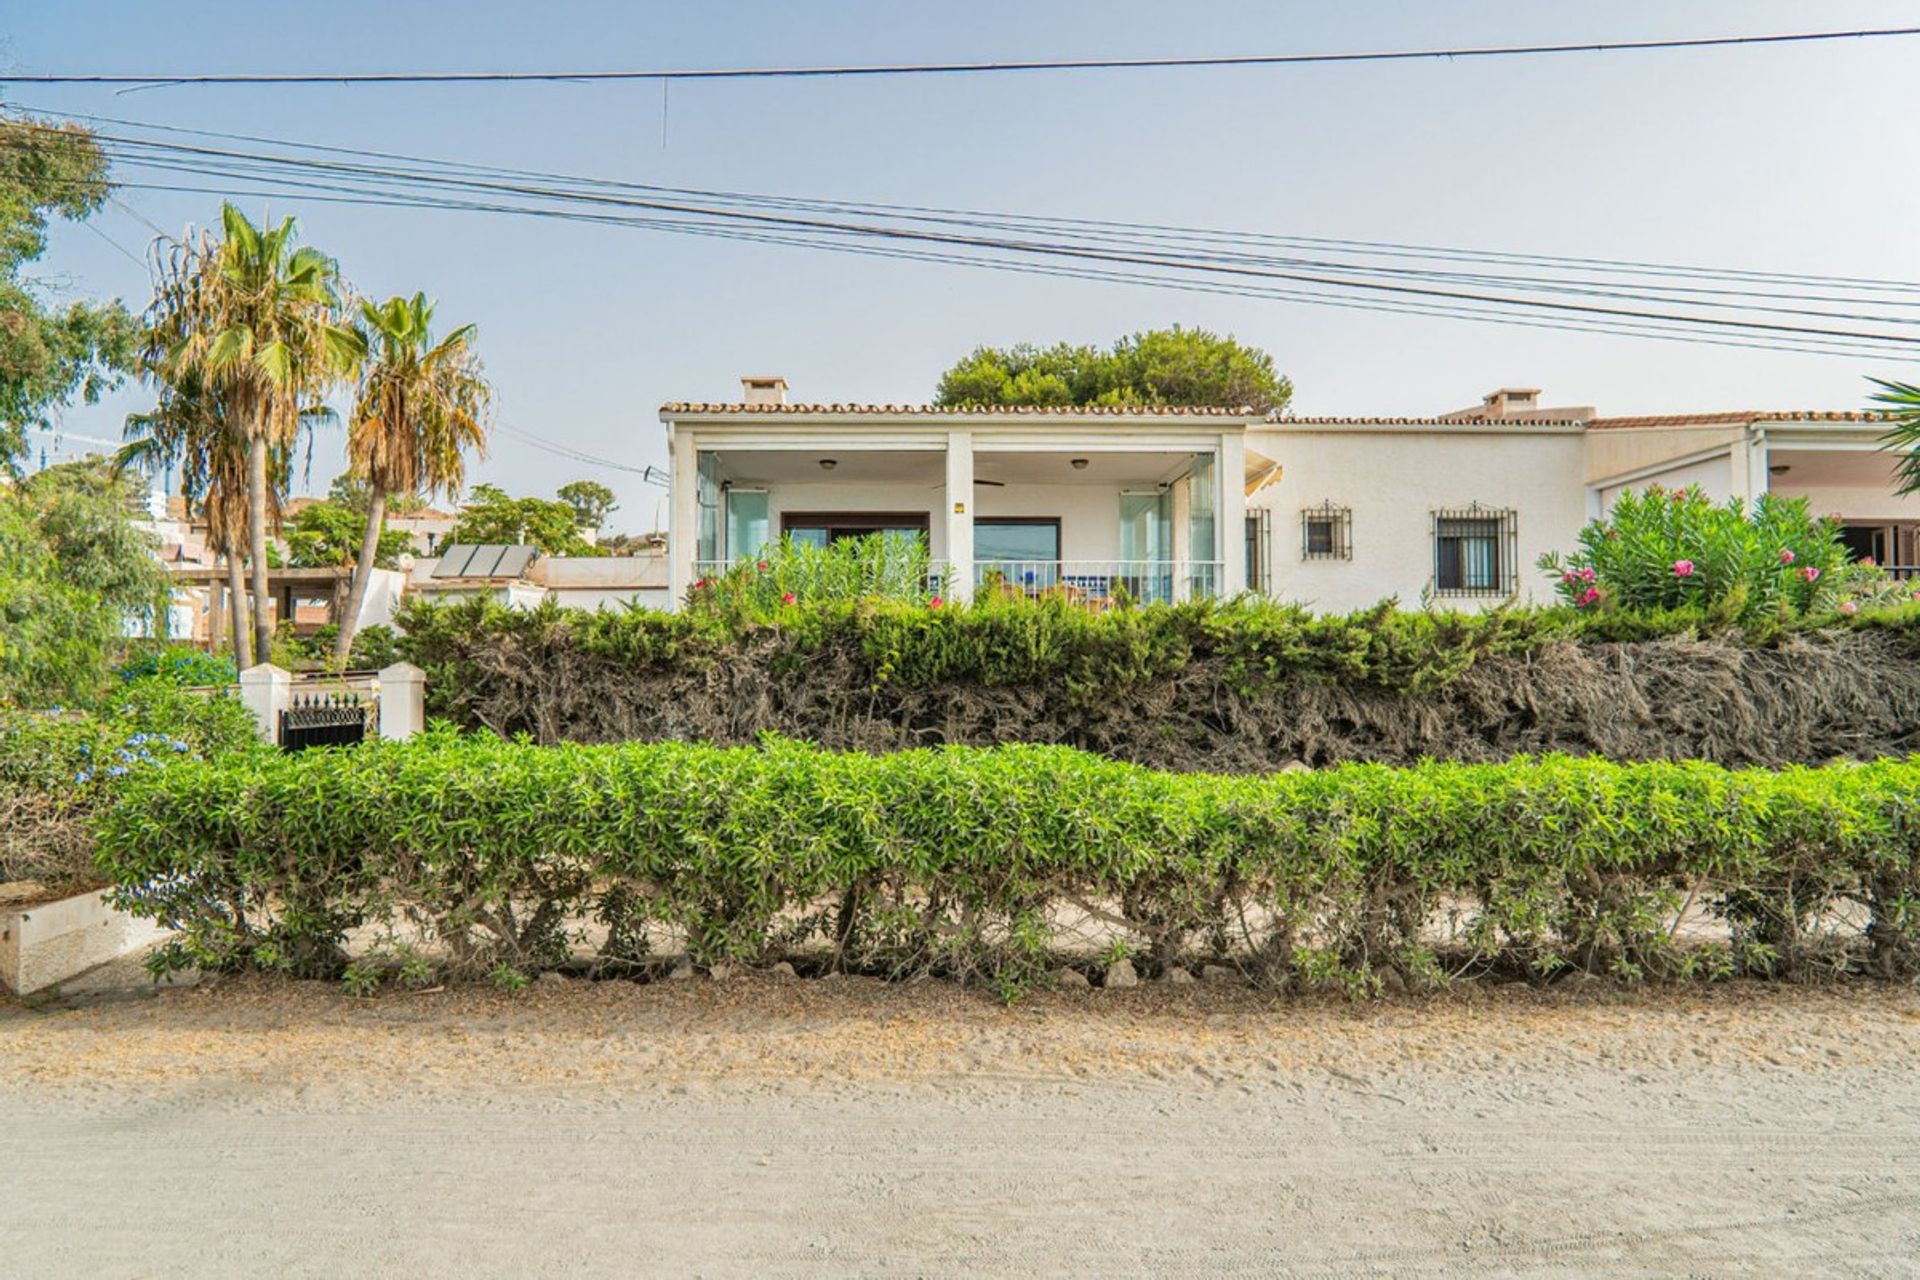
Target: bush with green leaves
(881, 566)
(186, 665)
(59, 767)
(1665, 549)
(497, 857)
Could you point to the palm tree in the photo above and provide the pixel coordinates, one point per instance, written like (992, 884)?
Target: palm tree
(1903, 433)
(423, 405)
(187, 429)
(254, 318)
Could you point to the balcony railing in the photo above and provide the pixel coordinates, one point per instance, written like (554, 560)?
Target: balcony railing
(1100, 583)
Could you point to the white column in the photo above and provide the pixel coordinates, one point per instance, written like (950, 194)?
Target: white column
(1230, 514)
(403, 701)
(1181, 514)
(959, 510)
(683, 520)
(267, 691)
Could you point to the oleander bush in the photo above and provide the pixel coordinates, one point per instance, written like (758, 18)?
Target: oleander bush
(59, 766)
(473, 855)
(1664, 549)
(1242, 686)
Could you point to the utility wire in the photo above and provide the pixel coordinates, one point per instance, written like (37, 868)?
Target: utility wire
(157, 79)
(1088, 226)
(210, 159)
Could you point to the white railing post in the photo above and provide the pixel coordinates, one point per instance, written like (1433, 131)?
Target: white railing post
(403, 701)
(267, 690)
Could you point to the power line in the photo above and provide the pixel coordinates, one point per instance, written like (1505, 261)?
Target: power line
(210, 160)
(1085, 226)
(399, 187)
(946, 68)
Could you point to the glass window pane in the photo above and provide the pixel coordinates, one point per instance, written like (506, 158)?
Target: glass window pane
(1015, 540)
(1200, 509)
(706, 498)
(746, 523)
(1146, 527)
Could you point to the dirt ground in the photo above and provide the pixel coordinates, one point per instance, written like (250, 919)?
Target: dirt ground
(846, 1127)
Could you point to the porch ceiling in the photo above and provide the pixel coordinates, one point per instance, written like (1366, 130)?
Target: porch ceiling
(861, 466)
(1823, 468)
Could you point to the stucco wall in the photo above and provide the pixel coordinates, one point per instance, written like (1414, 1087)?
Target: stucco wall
(1713, 475)
(1613, 451)
(1393, 481)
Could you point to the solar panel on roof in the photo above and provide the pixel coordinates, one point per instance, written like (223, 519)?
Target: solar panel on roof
(483, 560)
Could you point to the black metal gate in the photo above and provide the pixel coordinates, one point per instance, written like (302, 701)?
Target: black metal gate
(324, 720)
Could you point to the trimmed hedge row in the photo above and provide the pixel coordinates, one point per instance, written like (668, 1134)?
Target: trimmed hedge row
(1242, 687)
(473, 854)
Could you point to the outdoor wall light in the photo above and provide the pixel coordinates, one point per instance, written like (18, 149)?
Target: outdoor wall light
(1079, 464)
(828, 464)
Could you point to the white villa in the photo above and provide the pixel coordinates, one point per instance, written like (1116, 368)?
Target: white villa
(1169, 503)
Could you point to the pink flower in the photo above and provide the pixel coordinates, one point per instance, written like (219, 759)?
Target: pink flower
(1586, 575)
(1786, 555)
(935, 603)
(786, 598)
(1590, 596)
(1683, 568)
(699, 583)
(1568, 576)
(1870, 562)
(763, 566)
(1678, 495)
(1849, 607)
(1810, 573)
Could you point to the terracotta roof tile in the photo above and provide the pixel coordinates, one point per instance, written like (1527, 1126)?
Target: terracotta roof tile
(935, 410)
(1423, 422)
(1740, 417)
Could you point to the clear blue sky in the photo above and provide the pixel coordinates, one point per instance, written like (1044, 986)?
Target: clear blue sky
(1785, 158)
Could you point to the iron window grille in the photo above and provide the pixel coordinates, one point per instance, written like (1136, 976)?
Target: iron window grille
(1260, 550)
(1326, 533)
(1476, 552)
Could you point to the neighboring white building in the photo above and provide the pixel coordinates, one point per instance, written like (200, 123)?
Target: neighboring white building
(522, 578)
(1336, 513)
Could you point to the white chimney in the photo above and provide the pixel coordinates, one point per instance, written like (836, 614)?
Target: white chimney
(763, 390)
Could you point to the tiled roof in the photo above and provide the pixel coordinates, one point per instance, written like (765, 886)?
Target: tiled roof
(1423, 422)
(937, 410)
(1741, 417)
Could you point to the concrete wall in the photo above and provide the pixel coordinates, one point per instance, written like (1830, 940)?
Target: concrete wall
(1393, 480)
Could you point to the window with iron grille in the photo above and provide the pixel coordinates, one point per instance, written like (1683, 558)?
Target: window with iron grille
(1475, 552)
(1260, 550)
(1326, 533)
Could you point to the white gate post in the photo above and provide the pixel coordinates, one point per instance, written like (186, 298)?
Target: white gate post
(267, 690)
(403, 701)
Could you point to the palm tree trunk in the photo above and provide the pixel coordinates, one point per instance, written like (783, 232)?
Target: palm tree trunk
(362, 573)
(257, 543)
(237, 606)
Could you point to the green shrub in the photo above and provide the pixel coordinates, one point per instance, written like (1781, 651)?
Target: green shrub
(976, 863)
(881, 566)
(179, 664)
(1663, 549)
(58, 768)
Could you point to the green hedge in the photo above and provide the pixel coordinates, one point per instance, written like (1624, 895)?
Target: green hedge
(58, 767)
(1223, 688)
(476, 855)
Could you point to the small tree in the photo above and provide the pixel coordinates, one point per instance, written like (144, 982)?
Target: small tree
(1159, 367)
(592, 502)
(329, 534)
(423, 407)
(492, 515)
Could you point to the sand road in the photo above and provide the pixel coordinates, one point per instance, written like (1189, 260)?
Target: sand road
(849, 1128)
